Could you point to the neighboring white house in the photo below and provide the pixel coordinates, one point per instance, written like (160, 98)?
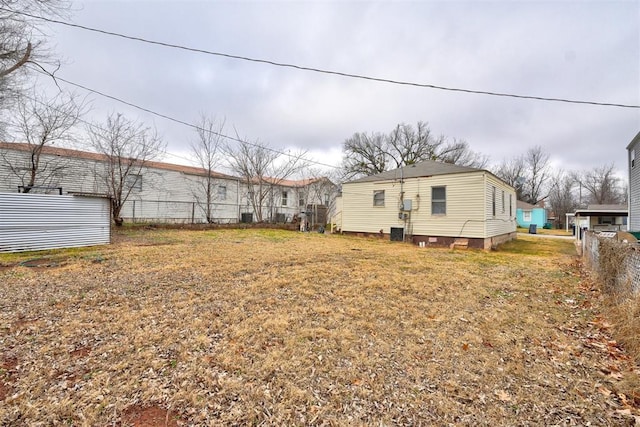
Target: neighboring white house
(162, 192)
(432, 202)
(601, 218)
(285, 200)
(633, 153)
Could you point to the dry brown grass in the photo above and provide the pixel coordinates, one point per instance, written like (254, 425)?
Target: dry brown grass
(550, 232)
(238, 327)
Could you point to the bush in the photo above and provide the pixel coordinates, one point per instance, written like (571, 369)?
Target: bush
(624, 304)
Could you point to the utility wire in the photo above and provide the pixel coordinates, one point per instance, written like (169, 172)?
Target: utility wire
(95, 126)
(173, 119)
(320, 70)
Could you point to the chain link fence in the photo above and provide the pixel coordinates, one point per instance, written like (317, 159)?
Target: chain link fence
(617, 263)
(193, 212)
(177, 212)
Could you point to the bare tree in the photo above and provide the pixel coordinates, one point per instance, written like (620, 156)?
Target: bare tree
(128, 147)
(513, 173)
(407, 145)
(369, 154)
(528, 174)
(262, 170)
(22, 40)
(458, 152)
(562, 196)
(41, 123)
(603, 186)
(207, 150)
(537, 163)
(365, 154)
(319, 188)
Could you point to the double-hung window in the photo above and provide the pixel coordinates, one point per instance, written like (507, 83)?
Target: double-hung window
(438, 200)
(222, 192)
(378, 198)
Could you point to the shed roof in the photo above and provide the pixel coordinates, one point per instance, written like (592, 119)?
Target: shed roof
(418, 170)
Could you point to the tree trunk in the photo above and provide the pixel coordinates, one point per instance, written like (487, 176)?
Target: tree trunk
(115, 209)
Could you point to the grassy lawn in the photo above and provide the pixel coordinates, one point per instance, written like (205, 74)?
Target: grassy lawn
(552, 232)
(240, 327)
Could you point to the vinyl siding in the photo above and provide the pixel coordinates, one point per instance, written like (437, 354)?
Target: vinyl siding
(466, 206)
(165, 194)
(501, 223)
(634, 185)
(463, 204)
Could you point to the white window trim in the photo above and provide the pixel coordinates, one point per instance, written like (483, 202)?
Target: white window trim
(444, 201)
(380, 201)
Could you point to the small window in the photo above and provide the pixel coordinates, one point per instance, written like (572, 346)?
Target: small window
(301, 201)
(378, 198)
(285, 195)
(493, 202)
(606, 220)
(510, 206)
(438, 200)
(526, 216)
(134, 182)
(326, 199)
(633, 157)
(222, 192)
(502, 201)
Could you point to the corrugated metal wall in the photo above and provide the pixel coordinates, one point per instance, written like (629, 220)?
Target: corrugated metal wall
(31, 222)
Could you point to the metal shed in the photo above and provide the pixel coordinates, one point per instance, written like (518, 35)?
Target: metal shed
(30, 222)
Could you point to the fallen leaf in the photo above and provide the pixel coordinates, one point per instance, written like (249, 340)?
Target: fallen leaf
(503, 395)
(604, 391)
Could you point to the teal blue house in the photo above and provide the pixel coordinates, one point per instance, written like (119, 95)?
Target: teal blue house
(527, 214)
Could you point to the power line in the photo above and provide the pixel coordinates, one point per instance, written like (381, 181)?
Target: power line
(320, 70)
(95, 126)
(182, 122)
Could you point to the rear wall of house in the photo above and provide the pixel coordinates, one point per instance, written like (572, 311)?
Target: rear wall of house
(469, 208)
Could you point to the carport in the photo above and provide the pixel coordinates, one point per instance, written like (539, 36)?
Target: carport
(603, 218)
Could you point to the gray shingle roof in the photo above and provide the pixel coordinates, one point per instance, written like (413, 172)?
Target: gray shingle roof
(421, 169)
(520, 204)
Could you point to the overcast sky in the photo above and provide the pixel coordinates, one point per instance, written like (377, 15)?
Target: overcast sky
(587, 50)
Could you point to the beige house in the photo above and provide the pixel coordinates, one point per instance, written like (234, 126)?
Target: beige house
(431, 203)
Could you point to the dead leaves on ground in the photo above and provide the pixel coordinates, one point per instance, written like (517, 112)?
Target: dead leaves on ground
(243, 327)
